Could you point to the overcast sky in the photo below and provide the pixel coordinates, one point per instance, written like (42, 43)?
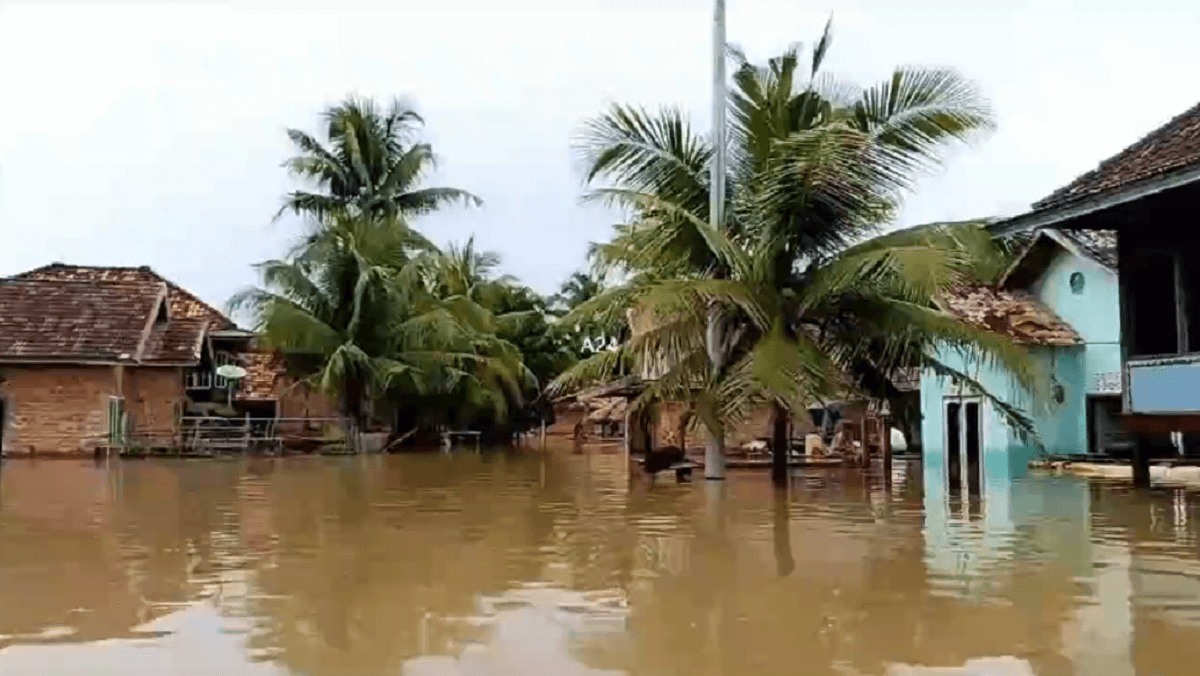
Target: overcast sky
(152, 133)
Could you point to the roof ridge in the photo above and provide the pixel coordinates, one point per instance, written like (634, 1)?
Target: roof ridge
(125, 268)
(1064, 194)
(57, 264)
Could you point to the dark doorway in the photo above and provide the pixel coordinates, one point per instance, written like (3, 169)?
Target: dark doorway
(1105, 436)
(953, 446)
(973, 441)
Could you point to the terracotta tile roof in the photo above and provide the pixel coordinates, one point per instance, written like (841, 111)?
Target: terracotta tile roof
(1173, 146)
(1015, 314)
(179, 342)
(1101, 245)
(183, 304)
(263, 370)
(56, 319)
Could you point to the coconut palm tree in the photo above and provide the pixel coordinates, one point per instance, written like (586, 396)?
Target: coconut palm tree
(797, 300)
(354, 303)
(579, 287)
(370, 163)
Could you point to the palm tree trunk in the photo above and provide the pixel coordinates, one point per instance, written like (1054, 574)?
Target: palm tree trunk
(780, 444)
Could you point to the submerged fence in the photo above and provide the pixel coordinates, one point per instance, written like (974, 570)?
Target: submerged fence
(216, 435)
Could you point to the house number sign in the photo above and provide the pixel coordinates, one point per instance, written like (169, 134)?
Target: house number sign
(1107, 383)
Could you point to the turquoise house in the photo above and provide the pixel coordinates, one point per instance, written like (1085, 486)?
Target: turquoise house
(1060, 299)
(1147, 193)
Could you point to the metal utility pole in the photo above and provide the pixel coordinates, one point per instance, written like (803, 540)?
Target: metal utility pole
(716, 203)
(714, 452)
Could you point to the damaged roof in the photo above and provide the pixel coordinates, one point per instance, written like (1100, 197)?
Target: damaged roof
(1040, 251)
(1099, 245)
(1172, 147)
(1011, 313)
(184, 305)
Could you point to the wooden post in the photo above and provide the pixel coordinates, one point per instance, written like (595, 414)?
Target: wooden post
(246, 435)
(1141, 462)
(886, 448)
(866, 450)
(543, 433)
(628, 436)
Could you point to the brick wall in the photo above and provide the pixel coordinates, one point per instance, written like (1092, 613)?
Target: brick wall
(756, 426)
(297, 400)
(64, 410)
(55, 410)
(153, 399)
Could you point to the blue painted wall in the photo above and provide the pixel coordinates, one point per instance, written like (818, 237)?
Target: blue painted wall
(1095, 313)
(1062, 427)
(1171, 387)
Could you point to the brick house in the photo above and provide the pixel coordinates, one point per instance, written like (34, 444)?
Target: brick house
(95, 357)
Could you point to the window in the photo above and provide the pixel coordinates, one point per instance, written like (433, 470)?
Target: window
(1076, 283)
(116, 421)
(1163, 299)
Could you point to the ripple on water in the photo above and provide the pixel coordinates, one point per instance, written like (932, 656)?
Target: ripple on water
(556, 564)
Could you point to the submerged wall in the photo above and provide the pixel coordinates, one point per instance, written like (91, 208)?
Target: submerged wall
(1083, 293)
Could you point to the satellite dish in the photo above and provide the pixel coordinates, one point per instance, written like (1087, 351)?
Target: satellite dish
(231, 371)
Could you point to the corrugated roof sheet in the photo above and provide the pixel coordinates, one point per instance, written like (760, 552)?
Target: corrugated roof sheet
(1171, 147)
(1015, 314)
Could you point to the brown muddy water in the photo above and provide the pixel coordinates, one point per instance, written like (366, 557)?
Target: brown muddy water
(555, 564)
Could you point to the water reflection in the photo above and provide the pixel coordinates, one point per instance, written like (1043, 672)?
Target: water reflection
(557, 563)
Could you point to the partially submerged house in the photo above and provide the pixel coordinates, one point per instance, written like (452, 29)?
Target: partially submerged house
(1146, 194)
(606, 411)
(98, 358)
(1059, 300)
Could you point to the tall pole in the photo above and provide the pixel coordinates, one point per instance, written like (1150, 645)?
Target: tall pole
(716, 199)
(714, 452)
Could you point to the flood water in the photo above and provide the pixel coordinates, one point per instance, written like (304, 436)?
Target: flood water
(555, 564)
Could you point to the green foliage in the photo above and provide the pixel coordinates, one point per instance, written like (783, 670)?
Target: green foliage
(370, 163)
(799, 297)
(373, 313)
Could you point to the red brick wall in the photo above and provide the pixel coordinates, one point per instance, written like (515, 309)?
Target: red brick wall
(64, 410)
(55, 410)
(297, 400)
(565, 419)
(153, 399)
(756, 426)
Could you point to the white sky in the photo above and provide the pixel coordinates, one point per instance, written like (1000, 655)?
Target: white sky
(152, 133)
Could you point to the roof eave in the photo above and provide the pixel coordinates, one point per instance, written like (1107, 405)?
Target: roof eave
(1054, 236)
(35, 360)
(1070, 211)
